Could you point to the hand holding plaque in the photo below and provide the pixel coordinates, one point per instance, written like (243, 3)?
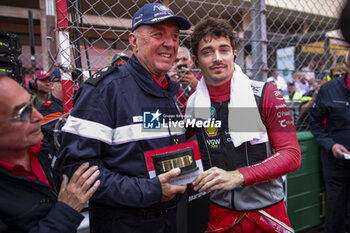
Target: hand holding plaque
(169, 190)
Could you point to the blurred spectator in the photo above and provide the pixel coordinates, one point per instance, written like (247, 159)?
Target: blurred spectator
(279, 81)
(119, 59)
(330, 125)
(337, 71)
(182, 73)
(52, 110)
(307, 101)
(302, 85)
(40, 87)
(309, 71)
(293, 94)
(76, 86)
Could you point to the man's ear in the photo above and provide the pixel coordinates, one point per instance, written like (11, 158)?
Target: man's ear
(132, 41)
(194, 59)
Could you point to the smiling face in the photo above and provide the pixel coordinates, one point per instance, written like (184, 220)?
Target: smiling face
(14, 134)
(215, 59)
(155, 46)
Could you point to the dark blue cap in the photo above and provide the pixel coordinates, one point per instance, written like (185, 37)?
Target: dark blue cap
(120, 55)
(55, 76)
(153, 13)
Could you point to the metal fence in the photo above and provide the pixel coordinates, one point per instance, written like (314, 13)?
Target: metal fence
(287, 35)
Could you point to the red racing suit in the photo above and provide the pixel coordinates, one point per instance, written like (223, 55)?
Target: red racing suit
(261, 165)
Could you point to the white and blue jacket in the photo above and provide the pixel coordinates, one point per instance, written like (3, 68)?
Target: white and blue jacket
(105, 128)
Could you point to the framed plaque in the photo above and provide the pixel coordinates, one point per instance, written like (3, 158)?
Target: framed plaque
(185, 156)
(182, 158)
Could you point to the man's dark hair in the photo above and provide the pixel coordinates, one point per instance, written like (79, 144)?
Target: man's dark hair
(209, 28)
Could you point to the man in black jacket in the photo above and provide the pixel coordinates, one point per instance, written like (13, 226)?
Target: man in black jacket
(330, 125)
(29, 197)
(52, 110)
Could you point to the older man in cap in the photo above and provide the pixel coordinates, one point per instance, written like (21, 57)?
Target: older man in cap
(106, 128)
(119, 59)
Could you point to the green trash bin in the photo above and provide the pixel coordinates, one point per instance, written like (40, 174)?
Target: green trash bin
(305, 187)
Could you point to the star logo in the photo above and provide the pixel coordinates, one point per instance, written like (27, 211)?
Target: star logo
(151, 120)
(156, 115)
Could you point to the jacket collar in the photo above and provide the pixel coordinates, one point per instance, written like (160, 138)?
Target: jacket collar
(342, 81)
(145, 81)
(57, 101)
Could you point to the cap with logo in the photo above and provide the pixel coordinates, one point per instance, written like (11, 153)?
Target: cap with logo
(153, 13)
(41, 74)
(55, 76)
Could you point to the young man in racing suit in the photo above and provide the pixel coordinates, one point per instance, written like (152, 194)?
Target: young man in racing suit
(255, 145)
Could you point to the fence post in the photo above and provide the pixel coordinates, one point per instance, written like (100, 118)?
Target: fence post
(50, 31)
(259, 41)
(64, 54)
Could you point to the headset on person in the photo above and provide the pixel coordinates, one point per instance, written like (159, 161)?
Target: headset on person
(32, 84)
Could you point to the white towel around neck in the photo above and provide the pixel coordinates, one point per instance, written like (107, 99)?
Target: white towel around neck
(244, 119)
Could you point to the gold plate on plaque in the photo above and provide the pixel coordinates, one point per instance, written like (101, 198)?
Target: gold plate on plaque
(183, 159)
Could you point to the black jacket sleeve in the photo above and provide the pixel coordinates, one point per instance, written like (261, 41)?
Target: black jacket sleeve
(61, 219)
(318, 114)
